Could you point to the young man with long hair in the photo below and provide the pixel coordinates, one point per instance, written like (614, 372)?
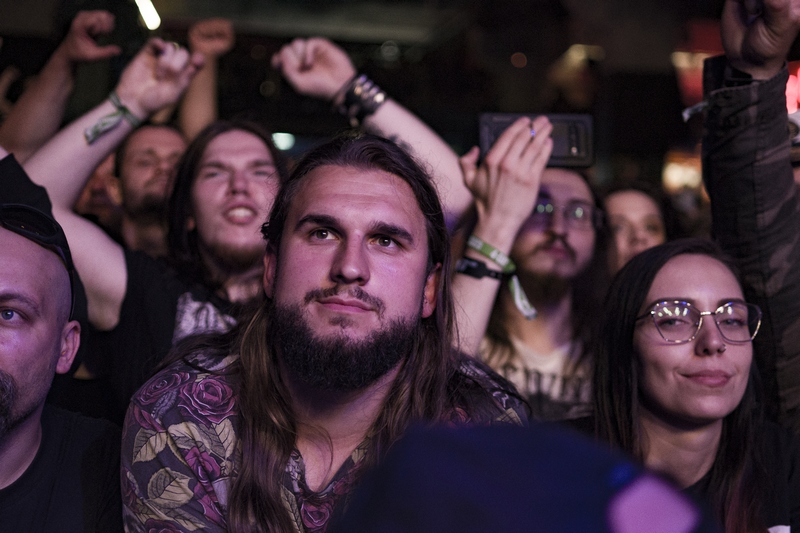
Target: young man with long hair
(269, 427)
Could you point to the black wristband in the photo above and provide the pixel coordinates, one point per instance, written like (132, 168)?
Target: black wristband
(476, 269)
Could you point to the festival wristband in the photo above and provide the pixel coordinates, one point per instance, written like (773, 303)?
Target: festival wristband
(111, 121)
(508, 266)
(489, 251)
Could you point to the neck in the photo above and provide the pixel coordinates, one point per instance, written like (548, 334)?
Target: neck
(331, 425)
(235, 284)
(552, 326)
(684, 454)
(148, 236)
(18, 448)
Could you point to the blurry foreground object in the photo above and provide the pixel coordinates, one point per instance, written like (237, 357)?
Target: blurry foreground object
(513, 479)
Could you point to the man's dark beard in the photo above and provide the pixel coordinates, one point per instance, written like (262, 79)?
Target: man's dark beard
(151, 209)
(338, 363)
(8, 396)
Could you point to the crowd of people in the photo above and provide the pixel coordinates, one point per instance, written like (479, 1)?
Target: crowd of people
(197, 333)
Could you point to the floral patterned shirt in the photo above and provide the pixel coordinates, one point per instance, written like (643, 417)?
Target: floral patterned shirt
(181, 452)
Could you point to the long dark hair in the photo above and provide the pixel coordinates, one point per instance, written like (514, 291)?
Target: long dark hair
(736, 480)
(588, 290)
(183, 248)
(422, 390)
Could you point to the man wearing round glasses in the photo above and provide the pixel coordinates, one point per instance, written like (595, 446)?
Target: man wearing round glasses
(546, 227)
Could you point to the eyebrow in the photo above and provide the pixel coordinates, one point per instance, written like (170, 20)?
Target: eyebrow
(9, 296)
(391, 230)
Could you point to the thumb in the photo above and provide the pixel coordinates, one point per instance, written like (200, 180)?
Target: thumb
(105, 52)
(468, 163)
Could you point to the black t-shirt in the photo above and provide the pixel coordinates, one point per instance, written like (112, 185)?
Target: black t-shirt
(780, 455)
(72, 485)
(159, 309)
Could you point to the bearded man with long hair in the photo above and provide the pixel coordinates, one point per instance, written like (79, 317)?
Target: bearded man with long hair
(268, 427)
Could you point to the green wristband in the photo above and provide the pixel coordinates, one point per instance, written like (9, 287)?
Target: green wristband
(489, 251)
(503, 261)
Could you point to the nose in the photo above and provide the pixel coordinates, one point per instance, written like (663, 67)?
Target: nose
(237, 182)
(165, 165)
(557, 224)
(350, 264)
(709, 340)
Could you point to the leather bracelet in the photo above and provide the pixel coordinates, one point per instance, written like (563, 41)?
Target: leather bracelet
(362, 97)
(476, 269)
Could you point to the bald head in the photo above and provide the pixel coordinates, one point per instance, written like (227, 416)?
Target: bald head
(35, 275)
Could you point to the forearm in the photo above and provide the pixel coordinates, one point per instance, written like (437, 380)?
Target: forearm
(756, 219)
(64, 164)
(198, 108)
(475, 297)
(38, 112)
(395, 122)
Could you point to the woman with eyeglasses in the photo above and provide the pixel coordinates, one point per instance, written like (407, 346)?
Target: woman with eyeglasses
(675, 386)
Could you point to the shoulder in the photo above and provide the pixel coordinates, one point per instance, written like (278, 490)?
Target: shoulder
(484, 395)
(200, 386)
(180, 446)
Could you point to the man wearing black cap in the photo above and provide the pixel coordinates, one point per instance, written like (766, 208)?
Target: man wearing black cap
(58, 470)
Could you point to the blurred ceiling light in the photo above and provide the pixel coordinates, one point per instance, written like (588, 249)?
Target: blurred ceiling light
(284, 141)
(519, 60)
(679, 175)
(577, 54)
(390, 51)
(149, 14)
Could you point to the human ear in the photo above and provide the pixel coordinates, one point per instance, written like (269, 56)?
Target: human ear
(430, 291)
(70, 340)
(270, 262)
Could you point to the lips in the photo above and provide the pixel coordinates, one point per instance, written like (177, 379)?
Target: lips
(347, 305)
(557, 251)
(710, 378)
(240, 214)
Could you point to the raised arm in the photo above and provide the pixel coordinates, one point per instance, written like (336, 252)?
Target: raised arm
(505, 187)
(748, 174)
(317, 67)
(198, 108)
(156, 77)
(38, 112)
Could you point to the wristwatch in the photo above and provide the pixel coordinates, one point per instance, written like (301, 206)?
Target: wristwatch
(476, 269)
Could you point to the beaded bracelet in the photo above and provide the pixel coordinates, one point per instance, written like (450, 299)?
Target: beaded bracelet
(508, 266)
(111, 121)
(361, 99)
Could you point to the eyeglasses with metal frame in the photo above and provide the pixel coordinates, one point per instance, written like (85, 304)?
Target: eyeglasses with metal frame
(679, 321)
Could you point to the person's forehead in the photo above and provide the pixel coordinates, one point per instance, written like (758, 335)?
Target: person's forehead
(236, 145)
(25, 265)
(626, 201)
(156, 138)
(692, 276)
(564, 185)
(372, 194)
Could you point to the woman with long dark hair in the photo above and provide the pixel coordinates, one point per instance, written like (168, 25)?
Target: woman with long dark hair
(674, 386)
